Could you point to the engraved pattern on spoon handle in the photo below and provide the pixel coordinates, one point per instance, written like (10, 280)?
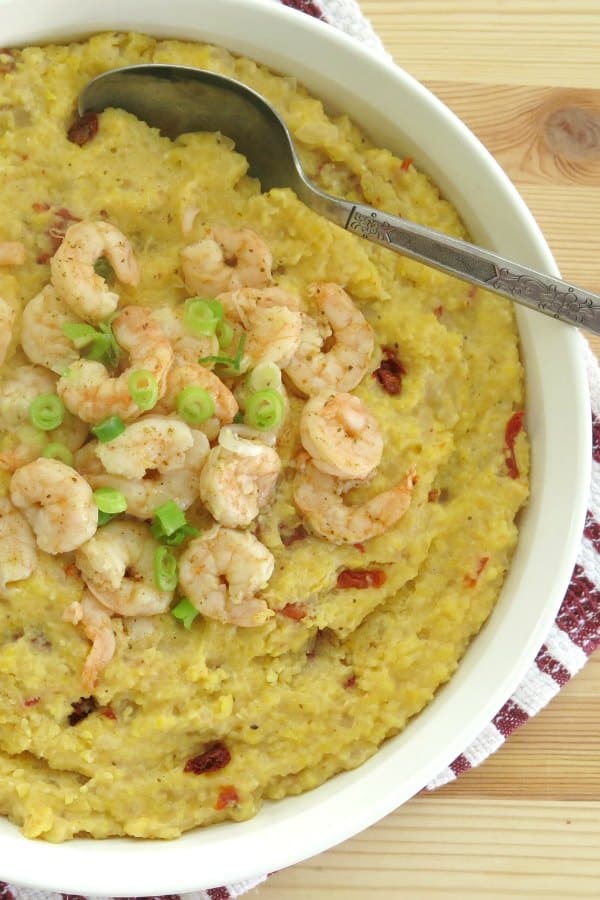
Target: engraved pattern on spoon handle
(544, 293)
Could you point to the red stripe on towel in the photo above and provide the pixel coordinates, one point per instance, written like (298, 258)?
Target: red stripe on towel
(550, 666)
(461, 764)
(580, 612)
(510, 717)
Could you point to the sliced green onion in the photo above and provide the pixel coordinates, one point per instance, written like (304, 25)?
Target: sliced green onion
(265, 377)
(109, 429)
(101, 342)
(185, 612)
(201, 317)
(194, 404)
(109, 500)
(224, 333)
(58, 450)
(80, 334)
(264, 410)
(103, 268)
(169, 525)
(232, 362)
(178, 537)
(169, 517)
(238, 418)
(104, 518)
(46, 412)
(143, 389)
(165, 569)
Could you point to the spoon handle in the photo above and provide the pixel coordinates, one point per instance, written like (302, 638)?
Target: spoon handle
(544, 293)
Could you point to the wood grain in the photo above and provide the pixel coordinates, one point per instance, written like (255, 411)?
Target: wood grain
(525, 76)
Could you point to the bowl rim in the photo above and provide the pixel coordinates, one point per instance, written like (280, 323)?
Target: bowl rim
(348, 803)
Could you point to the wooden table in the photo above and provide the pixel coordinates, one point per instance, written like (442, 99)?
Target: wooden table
(525, 76)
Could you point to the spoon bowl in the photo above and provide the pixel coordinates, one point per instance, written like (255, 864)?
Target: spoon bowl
(181, 99)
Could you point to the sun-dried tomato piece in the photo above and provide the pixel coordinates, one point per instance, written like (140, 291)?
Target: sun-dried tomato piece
(293, 611)
(84, 129)
(361, 578)
(228, 796)
(290, 536)
(215, 757)
(82, 708)
(513, 427)
(390, 371)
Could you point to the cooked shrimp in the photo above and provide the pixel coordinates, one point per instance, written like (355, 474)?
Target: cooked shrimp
(222, 572)
(42, 337)
(90, 392)
(319, 498)
(234, 487)
(342, 367)
(272, 321)
(12, 253)
(226, 259)
(57, 502)
(341, 435)
(187, 348)
(154, 442)
(195, 375)
(7, 321)
(95, 622)
(117, 565)
(144, 495)
(72, 268)
(23, 443)
(18, 554)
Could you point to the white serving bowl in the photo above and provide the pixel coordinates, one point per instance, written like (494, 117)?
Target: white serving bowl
(399, 113)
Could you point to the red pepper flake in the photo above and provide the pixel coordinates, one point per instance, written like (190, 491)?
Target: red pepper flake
(434, 495)
(43, 258)
(109, 713)
(83, 129)
(82, 708)
(438, 311)
(361, 578)
(71, 570)
(406, 163)
(228, 796)
(293, 611)
(31, 702)
(215, 757)
(299, 533)
(390, 372)
(350, 682)
(360, 547)
(471, 580)
(40, 207)
(472, 291)
(513, 427)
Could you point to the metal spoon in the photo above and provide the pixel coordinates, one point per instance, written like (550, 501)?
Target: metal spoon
(180, 99)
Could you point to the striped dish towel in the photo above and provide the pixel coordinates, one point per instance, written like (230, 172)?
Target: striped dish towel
(576, 630)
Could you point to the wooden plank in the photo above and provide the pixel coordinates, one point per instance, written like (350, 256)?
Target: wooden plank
(523, 42)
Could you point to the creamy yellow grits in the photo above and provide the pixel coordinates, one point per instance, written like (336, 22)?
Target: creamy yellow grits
(319, 686)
